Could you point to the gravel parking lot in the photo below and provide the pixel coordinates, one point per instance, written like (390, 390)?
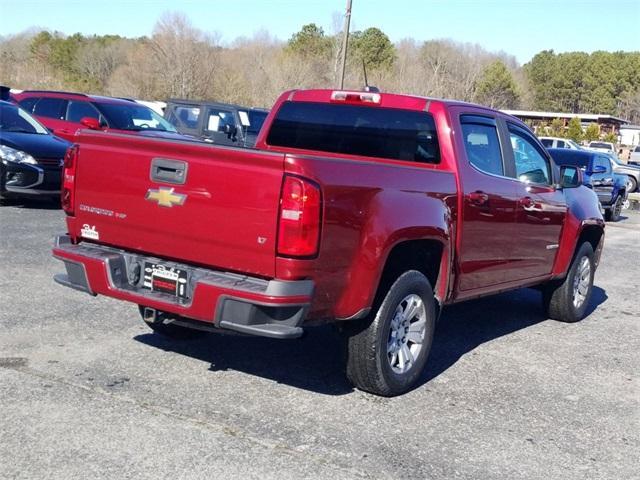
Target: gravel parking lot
(88, 392)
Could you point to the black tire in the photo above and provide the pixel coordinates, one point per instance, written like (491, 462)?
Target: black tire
(368, 360)
(171, 330)
(613, 213)
(558, 297)
(633, 184)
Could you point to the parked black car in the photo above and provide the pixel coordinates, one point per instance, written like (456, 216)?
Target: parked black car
(220, 123)
(610, 187)
(30, 156)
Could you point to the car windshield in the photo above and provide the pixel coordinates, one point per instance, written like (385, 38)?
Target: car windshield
(256, 119)
(570, 157)
(15, 119)
(574, 144)
(133, 117)
(600, 145)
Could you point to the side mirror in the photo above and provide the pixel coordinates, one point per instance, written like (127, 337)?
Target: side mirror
(598, 169)
(90, 122)
(570, 176)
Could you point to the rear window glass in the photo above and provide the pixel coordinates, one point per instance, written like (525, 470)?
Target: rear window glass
(600, 145)
(356, 130)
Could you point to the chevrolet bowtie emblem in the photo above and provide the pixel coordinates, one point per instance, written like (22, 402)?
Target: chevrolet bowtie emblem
(165, 197)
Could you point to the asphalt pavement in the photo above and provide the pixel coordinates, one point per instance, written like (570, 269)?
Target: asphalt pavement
(88, 392)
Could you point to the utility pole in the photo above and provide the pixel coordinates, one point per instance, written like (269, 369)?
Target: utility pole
(345, 42)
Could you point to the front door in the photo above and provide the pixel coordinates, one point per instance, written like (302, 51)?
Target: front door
(220, 126)
(541, 207)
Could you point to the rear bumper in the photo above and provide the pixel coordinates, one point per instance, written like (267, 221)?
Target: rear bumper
(271, 308)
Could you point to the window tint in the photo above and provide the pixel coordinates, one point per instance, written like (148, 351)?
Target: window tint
(28, 103)
(531, 165)
(256, 119)
(16, 119)
(76, 111)
(547, 142)
(218, 120)
(133, 116)
(483, 147)
(356, 130)
(186, 116)
(571, 157)
(600, 161)
(51, 108)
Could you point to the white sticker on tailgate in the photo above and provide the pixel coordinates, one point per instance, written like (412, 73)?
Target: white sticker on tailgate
(90, 232)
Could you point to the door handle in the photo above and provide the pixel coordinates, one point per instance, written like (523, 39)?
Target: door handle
(478, 198)
(530, 205)
(168, 171)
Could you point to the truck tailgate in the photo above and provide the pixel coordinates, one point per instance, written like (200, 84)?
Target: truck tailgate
(223, 215)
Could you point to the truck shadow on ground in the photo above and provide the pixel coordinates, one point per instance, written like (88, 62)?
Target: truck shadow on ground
(31, 203)
(315, 362)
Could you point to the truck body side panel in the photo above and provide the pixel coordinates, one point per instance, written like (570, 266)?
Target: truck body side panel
(369, 207)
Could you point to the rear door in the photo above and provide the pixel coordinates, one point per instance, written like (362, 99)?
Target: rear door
(541, 208)
(51, 112)
(489, 204)
(188, 201)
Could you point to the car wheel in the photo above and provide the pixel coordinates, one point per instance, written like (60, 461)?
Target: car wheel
(613, 213)
(387, 352)
(171, 330)
(567, 300)
(632, 184)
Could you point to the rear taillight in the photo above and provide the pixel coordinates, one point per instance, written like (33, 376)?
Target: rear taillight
(69, 180)
(299, 221)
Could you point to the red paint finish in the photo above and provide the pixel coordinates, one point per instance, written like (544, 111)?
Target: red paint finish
(205, 297)
(495, 232)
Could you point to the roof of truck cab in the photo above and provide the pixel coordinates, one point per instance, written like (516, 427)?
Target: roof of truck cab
(211, 103)
(391, 100)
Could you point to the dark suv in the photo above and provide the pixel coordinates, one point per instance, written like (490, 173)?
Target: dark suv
(610, 187)
(65, 113)
(220, 123)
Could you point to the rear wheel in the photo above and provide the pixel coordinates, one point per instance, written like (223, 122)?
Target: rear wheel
(632, 184)
(387, 352)
(170, 330)
(568, 300)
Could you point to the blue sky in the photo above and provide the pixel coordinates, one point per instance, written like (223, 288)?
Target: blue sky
(519, 27)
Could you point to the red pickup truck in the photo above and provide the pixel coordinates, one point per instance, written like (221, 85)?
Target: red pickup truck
(373, 210)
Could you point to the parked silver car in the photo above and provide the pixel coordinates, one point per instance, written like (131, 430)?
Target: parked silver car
(634, 156)
(632, 172)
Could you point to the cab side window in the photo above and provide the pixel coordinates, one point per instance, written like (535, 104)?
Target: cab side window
(76, 111)
(531, 165)
(218, 120)
(28, 103)
(600, 161)
(482, 145)
(51, 108)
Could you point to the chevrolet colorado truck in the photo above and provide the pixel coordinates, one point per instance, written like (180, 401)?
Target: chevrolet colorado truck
(371, 210)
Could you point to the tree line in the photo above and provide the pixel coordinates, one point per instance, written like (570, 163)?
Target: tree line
(179, 60)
